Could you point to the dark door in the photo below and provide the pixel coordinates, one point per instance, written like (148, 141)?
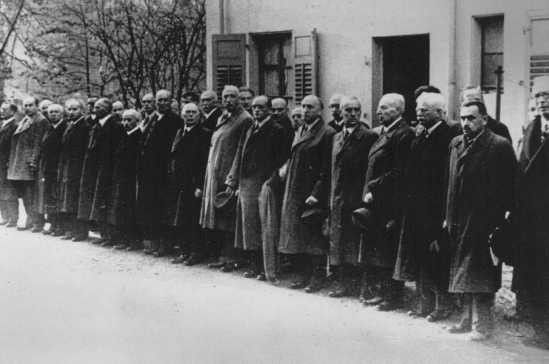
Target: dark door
(405, 67)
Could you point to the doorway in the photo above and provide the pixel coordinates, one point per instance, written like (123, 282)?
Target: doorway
(400, 64)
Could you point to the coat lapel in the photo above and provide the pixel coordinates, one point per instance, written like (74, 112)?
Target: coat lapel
(23, 125)
(298, 139)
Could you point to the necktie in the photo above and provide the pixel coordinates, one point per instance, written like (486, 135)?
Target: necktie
(346, 133)
(303, 130)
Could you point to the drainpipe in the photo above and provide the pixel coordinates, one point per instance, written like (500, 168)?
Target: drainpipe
(452, 41)
(221, 16)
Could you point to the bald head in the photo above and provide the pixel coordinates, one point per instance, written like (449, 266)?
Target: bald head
(190, 114)
(261, 107)
(30, 107)
(430, 109)
(390, 108)
(102, 107)
(148, 103)
(55, 113)
(335, 106)
(75, 108)
(208, 101)
(297, 117)
(118, 107)
(164, 101)
(230, 97)
(43, 106)
(351, 110)
(312, 107)
(279, 107)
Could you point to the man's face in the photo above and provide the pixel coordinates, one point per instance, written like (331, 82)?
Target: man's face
(351, 113)
(5, 111)
(190, 115)
(100, 109)
(207, 102)
(118, 108)
(29, 107)
(245, 99)
(297, 118)
(44, 108)
(91, 105)
(164, 102)
(231, 100)
(148, 103)
(427, 115)
(55, 115)
(260, 109)
(335, 109)
(542, 103)
(387, 111)
(128, 122)
(278, 108)
(74, 111)
(471, 121)
(311, 109)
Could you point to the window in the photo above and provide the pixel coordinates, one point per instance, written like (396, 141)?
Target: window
(274, 52)
(491, 29)
(539, 48)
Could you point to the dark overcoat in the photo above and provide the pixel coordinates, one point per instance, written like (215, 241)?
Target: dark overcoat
(307, 168)
(286, 124)
(387, 160)
(349, 161)
(47, 186)
(337, 126)
(498, 128)
(152, 174)
(481, 186)
(221, 155)
(424, 203)
(25, 147)
(186, 168)
(7, 191)
(124, 183)
(531, 273)
(96, 180)
(261, 152)
(74, 143)
(209, 121)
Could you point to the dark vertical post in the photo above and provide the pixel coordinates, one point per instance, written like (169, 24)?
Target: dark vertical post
(499, 74)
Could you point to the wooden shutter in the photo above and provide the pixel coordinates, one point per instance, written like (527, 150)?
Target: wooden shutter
(539, 48)
(305, 65)
(228, 60)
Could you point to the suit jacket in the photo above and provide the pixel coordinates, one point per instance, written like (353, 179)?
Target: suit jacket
(286, 124)
(186, 169)
(424, 202)
(481, 187)
(387, 161)
(25, 148)
(47, 186)
(261, 152)
(71, 159)
(152, 174)
(7, 191)
(335, 125)
(209, 122)
(306, 169)
(498, 128)
(349, 161)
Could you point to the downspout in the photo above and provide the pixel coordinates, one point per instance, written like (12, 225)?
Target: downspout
(452, 41)
(221, 16)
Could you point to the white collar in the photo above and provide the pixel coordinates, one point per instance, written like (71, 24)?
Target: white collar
(58, 123)
(387, 128)
(432, 128)
(189, 128)
(262, 122)
(312, 125)
(103, 121)
(349, 129)
(7, 121)
(134, 130)
(211, 112)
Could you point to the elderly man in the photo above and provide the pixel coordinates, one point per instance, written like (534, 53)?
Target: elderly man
(118, 108)
(348, 164)
(421, 256)
(96, 183)
(280, 115)
(246, 96)
(334, 105)
(121, 215)
(8, 196)
(303, 195)
(531, 273)
(384, 194)
(23, 163)
(297, 118)
(91, 118)
(210, 110)
(262, 150)
(481, 183)
(186, 168)
(47, 186)
(158, 134)
(74, 143)
(43, 107)
(219, 220)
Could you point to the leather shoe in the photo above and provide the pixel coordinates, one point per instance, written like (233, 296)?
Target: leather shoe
(228, 267)
(389, 305)
(250, 274)
(315, 285)
(67, 236)
(180, 259)
(216, 265)
(23, 228)
(463, 327)
(121, 246)
(77, 238)
(36, 229)
(376, 300)
(192, 260)
(11, 224)
(99, 241)
(107, 243)
(58, 233)
(149, 251)
(261, 277)
(299, 284)
(438, 315)
(46, 232)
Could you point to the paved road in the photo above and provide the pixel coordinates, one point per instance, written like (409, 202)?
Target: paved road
(64, 302)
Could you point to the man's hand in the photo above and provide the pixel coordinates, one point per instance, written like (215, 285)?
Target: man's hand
(434, 247)
(444, 224)
(198, 193)
(32, 167)
(368, 197)
(311, 200)
(282, 171)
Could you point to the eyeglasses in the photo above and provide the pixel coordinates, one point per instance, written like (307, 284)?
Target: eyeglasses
(468, 117)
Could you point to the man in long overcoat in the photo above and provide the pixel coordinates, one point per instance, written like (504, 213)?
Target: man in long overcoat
(280, 115)
(23, 163)
(47, 186)
(96, 182)
(8, 196)
(481, 189)
(531, 269)
(305, 172)
(186, 168)
(152, 175)
(383, 191)
(219, 222)
(334, 104)
(349, 161)
(74, 144)
(421, 257)
(262, 149)
(210, 110)
(121, 215)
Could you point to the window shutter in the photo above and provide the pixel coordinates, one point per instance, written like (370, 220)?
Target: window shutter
(305, 65)
(539, 49)
(228, 60)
